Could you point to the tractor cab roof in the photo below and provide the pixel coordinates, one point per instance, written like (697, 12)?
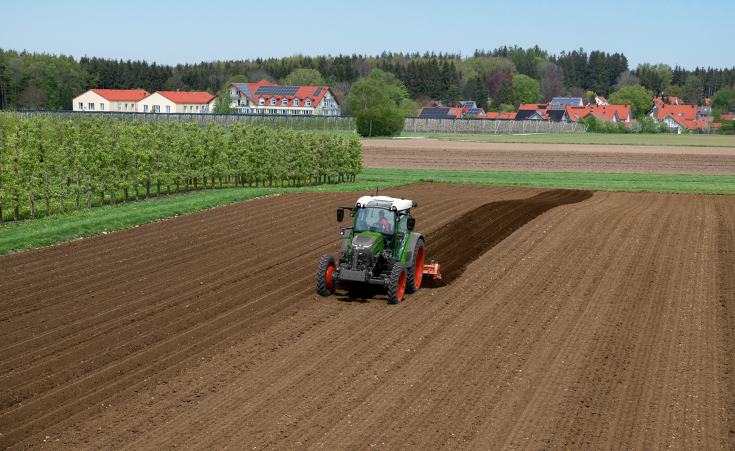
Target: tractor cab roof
(389, 203)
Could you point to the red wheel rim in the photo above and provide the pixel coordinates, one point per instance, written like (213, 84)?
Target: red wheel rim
(401, 285)
(418, 271)
(330, 270)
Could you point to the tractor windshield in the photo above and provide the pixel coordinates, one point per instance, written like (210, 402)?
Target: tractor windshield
(375, 220)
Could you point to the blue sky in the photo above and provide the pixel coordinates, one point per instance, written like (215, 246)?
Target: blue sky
(672, 32)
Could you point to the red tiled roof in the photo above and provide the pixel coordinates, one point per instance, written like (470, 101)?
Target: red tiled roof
(692, 125)
(186, 97)
(131, 95)
(604, 112)
(677, 119)
(689, 111)
(715, 124)
(533, 106)
(728, 117)
(500, 115)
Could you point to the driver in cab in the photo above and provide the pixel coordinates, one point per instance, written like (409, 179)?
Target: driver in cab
(383, 223)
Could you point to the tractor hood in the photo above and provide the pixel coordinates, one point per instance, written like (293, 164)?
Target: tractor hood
(368, 241)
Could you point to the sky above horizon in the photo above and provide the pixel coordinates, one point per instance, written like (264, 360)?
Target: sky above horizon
(672, 32)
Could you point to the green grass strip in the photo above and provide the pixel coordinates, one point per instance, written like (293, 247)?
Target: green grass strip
(608, 139)
(66, 227)
(655, 183)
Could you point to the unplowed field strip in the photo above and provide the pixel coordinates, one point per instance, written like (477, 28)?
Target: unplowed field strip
(435, 154)
(605, 322)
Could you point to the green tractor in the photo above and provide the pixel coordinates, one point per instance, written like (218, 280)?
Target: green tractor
(380, 248)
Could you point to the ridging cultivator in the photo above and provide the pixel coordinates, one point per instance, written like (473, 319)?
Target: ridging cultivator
(380, 248)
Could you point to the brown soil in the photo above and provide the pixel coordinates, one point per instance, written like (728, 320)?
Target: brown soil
(460, 242)
(434, 154)
(606, 323)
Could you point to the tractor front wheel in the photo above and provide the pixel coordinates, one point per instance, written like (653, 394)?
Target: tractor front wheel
(397, 283)
(324, 284)
(415, 274)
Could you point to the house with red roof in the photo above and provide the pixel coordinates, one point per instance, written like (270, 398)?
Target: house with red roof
(660, 101)
(680, 124)
(440, 113)
(728, 117)
(501, 116)
(686, 112)
(176, 102)
(109, 100)
(264, 97)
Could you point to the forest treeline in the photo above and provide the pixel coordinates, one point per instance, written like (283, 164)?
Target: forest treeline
(39, 80)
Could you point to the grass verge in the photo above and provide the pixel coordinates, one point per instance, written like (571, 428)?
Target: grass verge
(655, 183)
(633, 139)
(88, 222)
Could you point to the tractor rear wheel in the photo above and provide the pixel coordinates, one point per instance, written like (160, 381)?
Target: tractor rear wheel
(324, 284)
(397, 283)
(415, 274)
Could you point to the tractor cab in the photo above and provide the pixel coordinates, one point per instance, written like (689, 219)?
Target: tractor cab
(384, 218)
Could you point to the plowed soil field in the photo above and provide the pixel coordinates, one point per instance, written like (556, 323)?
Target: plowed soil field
(566, 320)
(435, 154)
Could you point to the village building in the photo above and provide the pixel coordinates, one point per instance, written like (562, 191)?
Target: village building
(686, 112)
(176, 102)
(125, 100)
(569, 101)
(502, 116)
(440, 113)
(264, 97)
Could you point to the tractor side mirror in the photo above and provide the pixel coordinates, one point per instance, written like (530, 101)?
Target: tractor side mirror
(340, 214)
(410, 224)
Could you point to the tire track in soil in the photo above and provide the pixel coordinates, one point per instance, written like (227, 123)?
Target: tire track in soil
(460, 242)
(118, 353)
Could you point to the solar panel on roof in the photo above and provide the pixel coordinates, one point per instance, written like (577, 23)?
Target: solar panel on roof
(276, 90)
(434, 113)
(472, 111)
(244, 88)
(318, 90)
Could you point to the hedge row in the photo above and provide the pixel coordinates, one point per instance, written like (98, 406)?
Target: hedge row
(52, 160)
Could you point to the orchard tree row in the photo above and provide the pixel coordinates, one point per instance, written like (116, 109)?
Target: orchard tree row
(47, 162)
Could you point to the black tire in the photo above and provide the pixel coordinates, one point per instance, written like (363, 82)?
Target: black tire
(397, 284)
(411, 273)
(324, 284)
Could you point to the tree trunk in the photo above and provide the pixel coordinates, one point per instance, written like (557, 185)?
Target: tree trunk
(125, 196)
(220, 183)
(15, 214)
(102, 198)
(158, 188)
(370, 133)
(33, 209)
(148, 189)
(61, 203)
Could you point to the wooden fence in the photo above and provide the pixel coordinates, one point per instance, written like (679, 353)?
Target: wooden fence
(488, 126)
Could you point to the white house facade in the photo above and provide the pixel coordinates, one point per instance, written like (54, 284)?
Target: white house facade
(124, 100)
(176, 102)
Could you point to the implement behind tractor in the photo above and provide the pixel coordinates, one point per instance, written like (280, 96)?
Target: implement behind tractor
(380, 248)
